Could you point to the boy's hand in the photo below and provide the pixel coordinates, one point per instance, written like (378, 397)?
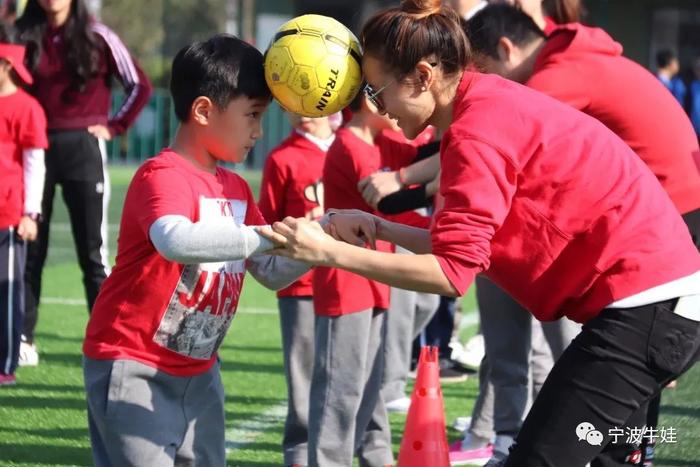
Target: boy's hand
(266, 232)
(300, 239)
(100, 132)
(353, 226)
(378, 185)
(27, 229)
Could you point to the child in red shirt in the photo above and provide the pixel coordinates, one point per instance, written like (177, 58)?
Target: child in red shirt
(22, 144)
(151, 369)
(291, 186)
(346, 412)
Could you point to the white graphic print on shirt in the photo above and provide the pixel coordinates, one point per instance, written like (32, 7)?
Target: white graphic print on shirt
(206, 297)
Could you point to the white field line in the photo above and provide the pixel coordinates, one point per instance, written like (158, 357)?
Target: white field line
(248, 431)
(469, 318)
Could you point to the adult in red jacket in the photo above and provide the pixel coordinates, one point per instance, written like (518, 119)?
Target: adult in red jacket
(563, 65)
(549, 204)
(74, 59)
(584, 67)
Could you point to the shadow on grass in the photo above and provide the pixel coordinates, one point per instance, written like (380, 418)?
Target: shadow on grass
(235, 463)
(41, 336)
(251, 348)
(254, 400)
(27, 402)
(229, 365)
(683, 411)
(243, 413)
(74, 360)
(51, 387)
(59, 433)
(44, 454)
(272, 448)
(663, 462)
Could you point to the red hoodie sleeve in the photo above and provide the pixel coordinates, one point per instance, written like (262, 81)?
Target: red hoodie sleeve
(478, 183)
(272, 189)
(136, 85)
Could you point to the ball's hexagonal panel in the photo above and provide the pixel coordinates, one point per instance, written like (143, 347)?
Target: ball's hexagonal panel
(303, 80)
(278, 65)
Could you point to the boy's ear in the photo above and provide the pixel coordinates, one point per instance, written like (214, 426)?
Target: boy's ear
(505, 49)
(202, 107)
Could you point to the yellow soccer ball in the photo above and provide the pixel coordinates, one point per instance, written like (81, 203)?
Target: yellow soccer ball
(313, 66)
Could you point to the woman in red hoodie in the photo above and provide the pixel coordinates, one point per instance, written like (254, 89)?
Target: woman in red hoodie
(551, 206)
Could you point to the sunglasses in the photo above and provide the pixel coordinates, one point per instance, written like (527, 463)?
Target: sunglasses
(373, 96)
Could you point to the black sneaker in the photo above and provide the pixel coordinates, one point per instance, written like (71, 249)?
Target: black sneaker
(450, 372)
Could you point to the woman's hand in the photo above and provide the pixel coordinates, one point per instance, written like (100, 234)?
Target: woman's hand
(352, 226)
(100, 132)
(300, 239)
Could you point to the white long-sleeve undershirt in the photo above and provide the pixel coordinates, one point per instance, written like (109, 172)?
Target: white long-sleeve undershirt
(179, 239)
(34, 172)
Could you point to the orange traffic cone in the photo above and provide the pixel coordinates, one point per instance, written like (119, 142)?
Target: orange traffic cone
(424, 442)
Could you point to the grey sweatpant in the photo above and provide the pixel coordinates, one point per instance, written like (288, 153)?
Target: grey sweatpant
(139, 416)
(508, 337)
(346, 411)
(297, 326)
(408, 314)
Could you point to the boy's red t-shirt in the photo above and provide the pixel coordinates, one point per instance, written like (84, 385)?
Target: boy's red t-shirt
(336, 291)
(552, 205)
(164, 314)
(22, 126)
(291, 186)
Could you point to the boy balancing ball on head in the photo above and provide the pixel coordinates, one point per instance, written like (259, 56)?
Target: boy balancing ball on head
(560, 213)
(152, 377)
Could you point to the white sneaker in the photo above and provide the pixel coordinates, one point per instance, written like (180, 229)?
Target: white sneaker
(471, 441)
(462, 424)
(471, 354)
(28, 355)
(400, 405)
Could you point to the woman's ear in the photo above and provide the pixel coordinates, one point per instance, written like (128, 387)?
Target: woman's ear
(426, 74)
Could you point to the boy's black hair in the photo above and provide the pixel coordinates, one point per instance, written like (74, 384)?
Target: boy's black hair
(220, 68)
(355, 104)
(486, 28)
(664, 58)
